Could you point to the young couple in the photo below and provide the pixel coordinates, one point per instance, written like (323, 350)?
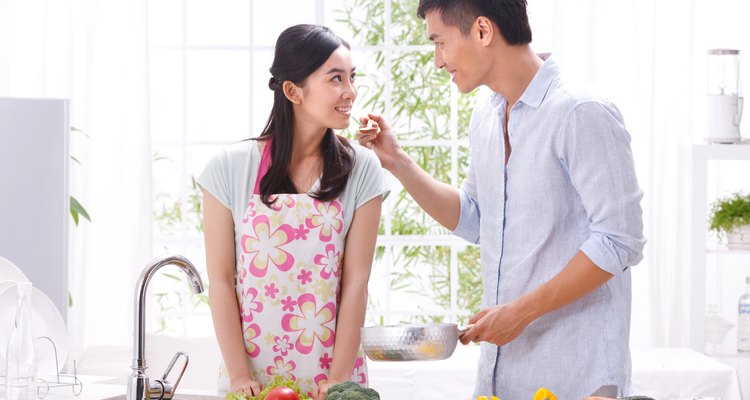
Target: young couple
(291, 217)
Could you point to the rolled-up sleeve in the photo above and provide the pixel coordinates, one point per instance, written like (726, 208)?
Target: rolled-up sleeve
(468, 220)
(595, 148)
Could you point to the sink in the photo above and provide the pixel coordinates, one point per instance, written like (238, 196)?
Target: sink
(181, 396)
(116, 390)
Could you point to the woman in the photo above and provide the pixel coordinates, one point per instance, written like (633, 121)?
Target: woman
(280, 212)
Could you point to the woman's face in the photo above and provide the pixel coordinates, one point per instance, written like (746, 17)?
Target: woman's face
(329, 93)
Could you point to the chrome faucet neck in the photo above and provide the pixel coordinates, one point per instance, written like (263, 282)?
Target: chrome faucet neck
(138, 385)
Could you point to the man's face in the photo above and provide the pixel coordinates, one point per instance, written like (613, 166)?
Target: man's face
(457, 53)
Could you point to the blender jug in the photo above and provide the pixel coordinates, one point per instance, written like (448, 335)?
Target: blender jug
(724, 99)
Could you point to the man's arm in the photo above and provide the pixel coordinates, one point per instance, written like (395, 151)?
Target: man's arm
(501, 324)
(440, 200)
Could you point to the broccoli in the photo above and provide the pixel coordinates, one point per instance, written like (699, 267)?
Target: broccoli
(350, 391)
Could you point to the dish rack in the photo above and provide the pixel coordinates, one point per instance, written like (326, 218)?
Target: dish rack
(59, 380)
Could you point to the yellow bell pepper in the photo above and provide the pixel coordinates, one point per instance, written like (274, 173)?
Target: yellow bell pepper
(485, 398)
(544, 394)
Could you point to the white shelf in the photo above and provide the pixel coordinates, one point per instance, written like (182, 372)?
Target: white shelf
(745, 355)
(726, 251)
(722, 151)
(701, 154)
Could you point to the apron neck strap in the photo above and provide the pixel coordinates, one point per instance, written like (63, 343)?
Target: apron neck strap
(265, 161)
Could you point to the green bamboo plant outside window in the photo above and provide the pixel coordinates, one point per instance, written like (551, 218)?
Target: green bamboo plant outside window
(420, 99)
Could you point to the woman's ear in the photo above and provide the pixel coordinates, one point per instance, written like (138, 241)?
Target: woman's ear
(292, 92)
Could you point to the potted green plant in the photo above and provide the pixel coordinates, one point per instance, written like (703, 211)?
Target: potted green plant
(730, 218)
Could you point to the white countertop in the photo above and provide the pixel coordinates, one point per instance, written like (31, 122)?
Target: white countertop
(661, 373)
(97, 388)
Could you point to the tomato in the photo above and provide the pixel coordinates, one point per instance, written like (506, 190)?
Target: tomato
(281, 393)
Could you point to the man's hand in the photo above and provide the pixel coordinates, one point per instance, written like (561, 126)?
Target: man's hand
(377, 135)
(497, 325)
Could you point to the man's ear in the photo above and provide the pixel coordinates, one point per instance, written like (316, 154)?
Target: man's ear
(484, 29)
(292, 92)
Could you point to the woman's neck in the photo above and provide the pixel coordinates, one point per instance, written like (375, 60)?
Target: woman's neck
(306, 142)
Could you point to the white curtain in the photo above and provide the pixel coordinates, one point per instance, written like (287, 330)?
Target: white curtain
(93, 52)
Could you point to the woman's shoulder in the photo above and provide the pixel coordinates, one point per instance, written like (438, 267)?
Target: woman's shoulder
(237, 152)
(232, 157)
(363, 155)
(245, 148)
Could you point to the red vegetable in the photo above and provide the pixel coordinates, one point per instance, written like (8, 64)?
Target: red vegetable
(281, 393)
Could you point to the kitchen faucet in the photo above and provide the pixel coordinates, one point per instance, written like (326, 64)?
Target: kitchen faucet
(139, 387)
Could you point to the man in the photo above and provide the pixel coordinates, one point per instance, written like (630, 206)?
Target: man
(550, 195)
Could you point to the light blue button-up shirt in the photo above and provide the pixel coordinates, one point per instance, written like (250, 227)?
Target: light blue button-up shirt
(568, 186)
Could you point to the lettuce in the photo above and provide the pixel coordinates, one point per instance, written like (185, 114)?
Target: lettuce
(278, 381)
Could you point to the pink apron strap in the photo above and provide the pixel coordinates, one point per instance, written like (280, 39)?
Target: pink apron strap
(265, 161)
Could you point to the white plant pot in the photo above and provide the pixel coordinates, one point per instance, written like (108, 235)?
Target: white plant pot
(739, 239)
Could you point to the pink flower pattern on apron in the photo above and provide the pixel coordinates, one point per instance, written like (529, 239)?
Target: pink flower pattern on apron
(288, 285)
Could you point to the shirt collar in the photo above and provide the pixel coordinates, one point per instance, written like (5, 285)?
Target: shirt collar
(537, 89)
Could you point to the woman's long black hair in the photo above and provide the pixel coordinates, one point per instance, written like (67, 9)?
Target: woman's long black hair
(300, 50)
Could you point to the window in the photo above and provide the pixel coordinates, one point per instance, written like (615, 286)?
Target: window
(209, 65)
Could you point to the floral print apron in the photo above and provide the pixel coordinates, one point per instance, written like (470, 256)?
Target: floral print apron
(288, 287)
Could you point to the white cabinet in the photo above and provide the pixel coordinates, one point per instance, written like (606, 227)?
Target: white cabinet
(714, 266)
(34, 205)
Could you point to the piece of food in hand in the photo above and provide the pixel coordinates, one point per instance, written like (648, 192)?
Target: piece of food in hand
(281, 393)
(351, 391)
(369, 125)
(368, 129)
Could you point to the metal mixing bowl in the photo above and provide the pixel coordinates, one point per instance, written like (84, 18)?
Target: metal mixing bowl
(410, 342)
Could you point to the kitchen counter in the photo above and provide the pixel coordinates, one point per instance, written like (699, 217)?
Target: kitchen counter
(98, 388)
(661, 373)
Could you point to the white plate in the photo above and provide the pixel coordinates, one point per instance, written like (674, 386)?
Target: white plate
(10, 272)
(45, 321)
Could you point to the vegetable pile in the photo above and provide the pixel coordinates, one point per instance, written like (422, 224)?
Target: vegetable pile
(350, 391)
(279, 389)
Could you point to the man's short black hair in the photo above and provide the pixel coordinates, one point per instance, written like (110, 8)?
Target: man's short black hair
(509, 15)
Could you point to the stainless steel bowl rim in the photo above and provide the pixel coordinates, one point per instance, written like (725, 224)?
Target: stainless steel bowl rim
(401, 327)
(430, 341)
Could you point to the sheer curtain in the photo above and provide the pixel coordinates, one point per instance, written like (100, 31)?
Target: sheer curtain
(94, 53)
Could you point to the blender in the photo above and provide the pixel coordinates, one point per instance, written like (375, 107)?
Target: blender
(724, 98)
